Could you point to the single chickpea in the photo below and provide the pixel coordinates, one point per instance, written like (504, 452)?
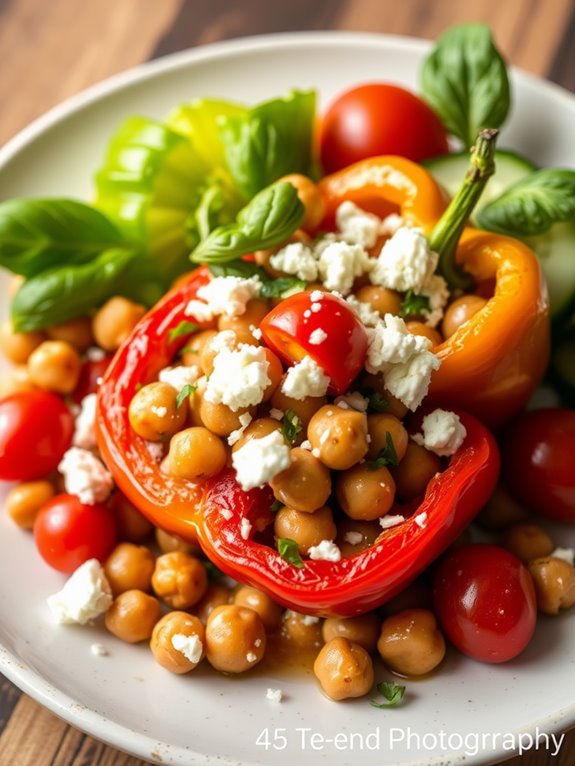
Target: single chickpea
(168, 543)
(364, 492)
(363, 630)
(195, 403)
(305, 409)
(305, 485)
(133, 526)
(192, 351)
(379, 425)
(275, 373)
(528, 541)
(355, 536)
(344, 669)
(310, 196)
(339, 435)
(260, 602)
(25, 500)
(153, 412)
(77, 332)
(257, 429)
(55, 366)
(554, 581)
(196, 454)
(501, 510)
(459, 312)
(216, 595)
(16, 379)
(235, 638)
(133, 615)
(418, 328)
(114, 322)
(177, 642)
(219, 418)
(17, 346)
(415, 471)
(392, 405)
(256, 309)
(410, 643)
(179, 579)
(129, 567)
(307, 529)
(381, 299)
(302, 630)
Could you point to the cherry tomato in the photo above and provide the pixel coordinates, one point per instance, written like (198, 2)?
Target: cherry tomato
(68, 532)
(485, 601)
(376, 119)
(538, 462)
(36, 429)
(340, 345)
(91, 372)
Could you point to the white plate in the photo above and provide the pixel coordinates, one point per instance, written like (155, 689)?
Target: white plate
(125, 698)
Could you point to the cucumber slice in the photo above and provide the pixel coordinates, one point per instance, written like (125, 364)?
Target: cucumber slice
(555, 249)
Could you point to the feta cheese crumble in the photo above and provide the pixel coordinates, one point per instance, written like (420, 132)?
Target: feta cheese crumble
(245, 528)
(85, 595)
(356, 225)
(565, 554)
(386, 522)
(306, 378)
(367, 315)
(437, 292)
(85, 424)
(421, 520)
(85, 476)
(390, 342)
(354, 400)
(327, 550)
(274, 695)
(179, 377)
(229, 295)
(443, 433)
(391, 223)
(318, 335)
(405, 261)
(353, 538)
(409, 382)
(340, 264)
(190, 646)
(259, 460)
(245, 419)
(296, 259)
(239, 378)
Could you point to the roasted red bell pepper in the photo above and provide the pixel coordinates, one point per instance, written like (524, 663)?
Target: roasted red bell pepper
(348, 587)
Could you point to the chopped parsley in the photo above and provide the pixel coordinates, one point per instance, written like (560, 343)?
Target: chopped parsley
(413, 304)
(391, 692)
(386, 456)
(291, 426)
(184, 328)
(186, 391)
(289, 551)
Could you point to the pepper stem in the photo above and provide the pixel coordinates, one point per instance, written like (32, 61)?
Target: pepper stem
(447, 231)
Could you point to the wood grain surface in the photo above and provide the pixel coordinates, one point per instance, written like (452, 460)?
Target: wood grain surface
(51, 49)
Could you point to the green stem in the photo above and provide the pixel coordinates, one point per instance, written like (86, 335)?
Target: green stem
(445, 236)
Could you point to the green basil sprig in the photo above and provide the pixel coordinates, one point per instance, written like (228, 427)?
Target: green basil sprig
(392, 693)
(267, 220)
(289, 551)
(532, 204)
(465, 80)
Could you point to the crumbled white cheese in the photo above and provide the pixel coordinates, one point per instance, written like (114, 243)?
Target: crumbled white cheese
(239, 378)
(85, 476)
(443, 433)
(229, 295)
(306, 445)
(327, 550)
(276, 414)
(199, 310)
(409, 382)
(297, 259)
(309, 619)
(306, 378)
(356, 226)
(259, 460)
(99, 650)
(245, 528)
(565, 554)
(190, 646)
(274, 695)
(436, 290)
(256, 332)
(421, 519)
(95, 354)
(353, 400)
(353, 538)
(339, 264)
(85, 424)
(178, 377)
(405, 261)
(391, 224)
(390, 342)
(251, 657)
(318, 335)
(245, 419)
(85, 595)
(386, 522)
(367, 315)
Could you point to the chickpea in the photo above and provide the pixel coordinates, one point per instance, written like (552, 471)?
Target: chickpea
(179, 579)
(411, 643)
(415, 471)
(168, 543)
(216, 595)
(129, 567)
(365, 493)
(114, 322)
(219, 419)
(235, 638)
(344, 669)
(257, 429)
(133, 527)
(363, 630)
(275, 373)
(133, 615)
(305, 485)
(379, 425)
(501, 510)
(355, 536)
(459, 312)
(192, 352)
(77, 332)
(307, 529)
(312, 200)
(528, 541)
(55, 366)
(153, 412)
(25, 500)
(260, 602)
(17, 346)
(305, 409)
(381, 299)
(418, 328)
(392, 405)
(256, 309)
(339, 435)
(177, 642)
(302, 630)
(15, 380)
(195, 403)
(554, 581)
(196, 454)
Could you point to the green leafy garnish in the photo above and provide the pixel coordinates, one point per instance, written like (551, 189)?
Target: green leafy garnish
(184, 328)
(413, 304)
(464, 79)
(275, 506)
(237, 268)
(186, 391)
(291, 426)
(532, 204)
(393, 694)
(386, 456)
(376, 401)
(282, 287)
(288, 550)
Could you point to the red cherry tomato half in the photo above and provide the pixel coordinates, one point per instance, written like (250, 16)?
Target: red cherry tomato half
(36, 429)
(379, 119)
(538, 462)
(91, 372)
(69, 532)
(485, 601)
(340, 346)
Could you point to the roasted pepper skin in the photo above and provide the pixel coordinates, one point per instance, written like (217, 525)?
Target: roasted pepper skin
(492, 364)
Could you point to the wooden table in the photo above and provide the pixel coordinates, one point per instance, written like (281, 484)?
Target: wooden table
(51, 49)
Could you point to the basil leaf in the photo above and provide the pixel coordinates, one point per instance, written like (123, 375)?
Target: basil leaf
(289, 551)
(392, 692)
(533, 204)
(183, 328)
(267, 220)
(239, 268)
(282, 287)
(386, 456)
(186, 391)
(291, 426)
(37, 234)
(413, 304)
(465, 80)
